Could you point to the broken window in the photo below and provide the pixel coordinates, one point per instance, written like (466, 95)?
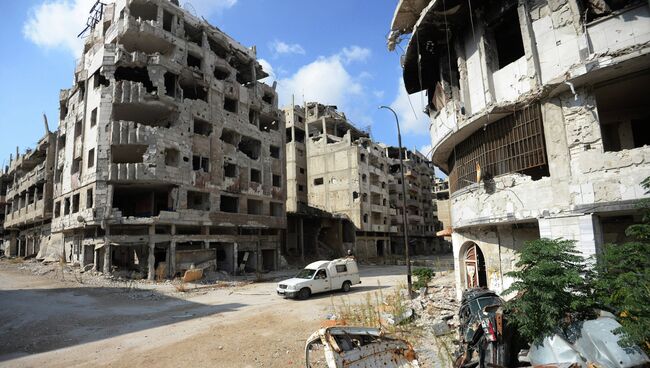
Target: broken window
(364, 178)
(66, 206)
(275, 151)
(365, 218)
(267, 123)
(144, 10)
(623, 113)
(221, 73)
(229, 204)
(193, 34)
(198, 201)
(200, 163)
(230, 104)
(288, 133)
(253, 117)
(268, 97)
(300, 135)
(194, 61)
(128, 154)
(229, 170)
(76, 166)
(254, 207)
(170, 84)
(57, 209)
(202, 127)
(230, 137)
(93, 117)
(362, 157)
(250, 147)
(193, 90)
(514, 143)
(77, 129)
(75, 203)
(91, 158)
(144, 201)
(300, 188)
(172, 157)
(275, 209)
(507, 35)
(89, 198)
(302, 171)
(167, 20)
(256, 176)
(135, 74)
(277, 181)
(99, 79)
(318, 181)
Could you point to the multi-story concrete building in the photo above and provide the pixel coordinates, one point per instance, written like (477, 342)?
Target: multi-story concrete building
(169, 150)
(422, 222)
(341, 189)
(539, 114)
(28, 209)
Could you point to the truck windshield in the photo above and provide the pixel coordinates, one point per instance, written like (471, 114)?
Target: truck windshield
(305, 274)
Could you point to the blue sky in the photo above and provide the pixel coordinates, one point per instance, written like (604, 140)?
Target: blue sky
(330, 51)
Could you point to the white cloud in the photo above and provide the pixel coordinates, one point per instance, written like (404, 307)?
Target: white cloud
(283, 48)
(355, 53)
(324, 80)
(409, 110)
(55, 24)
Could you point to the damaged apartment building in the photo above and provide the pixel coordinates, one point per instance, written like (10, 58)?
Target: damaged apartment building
(169, 151)
(26, 195)
(341, 189)
(538, 113)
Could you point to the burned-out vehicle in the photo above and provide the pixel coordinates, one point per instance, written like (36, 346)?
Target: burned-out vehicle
(356, 347)
(485, 337)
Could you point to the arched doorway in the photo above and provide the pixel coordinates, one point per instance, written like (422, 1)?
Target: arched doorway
(475, 275)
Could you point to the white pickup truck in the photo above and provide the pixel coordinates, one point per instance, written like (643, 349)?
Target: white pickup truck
(321, 276)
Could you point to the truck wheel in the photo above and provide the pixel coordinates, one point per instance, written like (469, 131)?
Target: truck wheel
(304, 293)
(346, 286)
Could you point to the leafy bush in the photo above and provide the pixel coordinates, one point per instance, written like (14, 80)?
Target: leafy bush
(622, 280)
(551, 288)
(424, 276)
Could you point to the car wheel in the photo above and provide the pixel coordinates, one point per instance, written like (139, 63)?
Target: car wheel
(346, 286)
(304, 293)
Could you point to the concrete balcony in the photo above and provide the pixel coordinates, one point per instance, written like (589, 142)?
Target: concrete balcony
(128, 132)
(378, 208)
(131, 172)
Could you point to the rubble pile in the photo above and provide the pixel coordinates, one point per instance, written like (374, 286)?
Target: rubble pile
(436, 309)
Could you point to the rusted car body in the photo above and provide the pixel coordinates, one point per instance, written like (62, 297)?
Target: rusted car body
(357, 347)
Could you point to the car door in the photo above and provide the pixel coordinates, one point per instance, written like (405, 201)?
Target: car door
(321, 282)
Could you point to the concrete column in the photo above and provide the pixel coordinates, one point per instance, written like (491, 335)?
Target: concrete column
(95, 259)
(172, 253)
(20, 245)
(35, 194)
(235, 253)
(152, 259)
(82, 257)
(107, 253)
(26, 198)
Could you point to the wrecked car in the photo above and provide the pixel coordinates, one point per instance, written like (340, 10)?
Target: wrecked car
(321, 276)
(585, 344)
(484, 334)
(337, 347)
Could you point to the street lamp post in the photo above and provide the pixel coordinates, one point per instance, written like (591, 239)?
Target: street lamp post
(406, 237)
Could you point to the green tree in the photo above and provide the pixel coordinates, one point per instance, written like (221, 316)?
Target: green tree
(424, 276)
(622, 281)
(551, 286)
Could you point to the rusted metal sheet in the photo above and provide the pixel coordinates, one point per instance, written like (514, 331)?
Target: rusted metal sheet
(357, 347)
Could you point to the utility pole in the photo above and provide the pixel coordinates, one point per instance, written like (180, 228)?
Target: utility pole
(406, 237)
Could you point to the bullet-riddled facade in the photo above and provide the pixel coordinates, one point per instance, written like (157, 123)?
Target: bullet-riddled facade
(538, 112)
(169, 150)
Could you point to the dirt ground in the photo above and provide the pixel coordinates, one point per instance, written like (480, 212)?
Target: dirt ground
(45, 321)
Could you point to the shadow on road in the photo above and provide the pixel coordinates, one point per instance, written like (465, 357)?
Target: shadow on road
(39, 320)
